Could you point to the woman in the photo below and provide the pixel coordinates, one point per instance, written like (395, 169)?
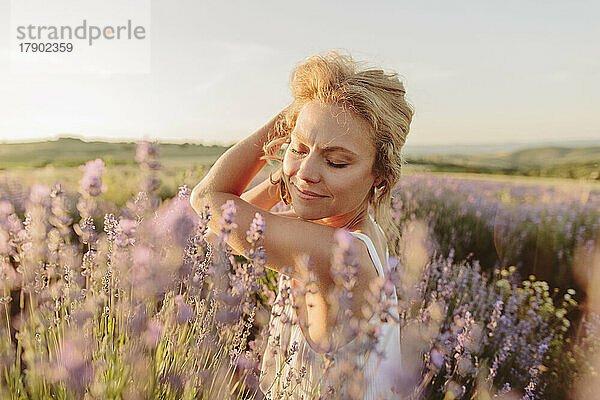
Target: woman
(343, 134)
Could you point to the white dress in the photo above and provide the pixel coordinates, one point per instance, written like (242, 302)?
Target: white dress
(379, 371)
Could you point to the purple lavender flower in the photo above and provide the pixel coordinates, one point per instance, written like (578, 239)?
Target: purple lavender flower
(344, 272)
(12, 231)
(39, 195)
(464, 365)
(227, 224)
(501, 356)
(5, 245)
(495, 316)
(204, 217)
(110, 226)
(6, 209)
(91, 183)
(86, 230)
(463, 338)
(60, 218)
(437, 359)
(184, 310)
(529, 389)
(176, 220)
(142, 257)
(8, 276)
(256, 254)
(127, 226)
(141, 197)
(346, 253)
(226, 316)
(149, 185)
(146, 154)
(505, 389)
(184, 192)
(153, 333)
(245, 362)
(257, 229)
(457, 389)
(72, 366)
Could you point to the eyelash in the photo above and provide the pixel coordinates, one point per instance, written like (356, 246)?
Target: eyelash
(334, 165)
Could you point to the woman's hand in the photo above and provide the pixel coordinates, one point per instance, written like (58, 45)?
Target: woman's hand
(280, 117)
(236, 168)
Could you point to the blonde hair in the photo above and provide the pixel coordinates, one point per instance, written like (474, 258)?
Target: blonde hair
(372, 94)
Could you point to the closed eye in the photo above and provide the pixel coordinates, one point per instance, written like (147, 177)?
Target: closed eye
(332, 164)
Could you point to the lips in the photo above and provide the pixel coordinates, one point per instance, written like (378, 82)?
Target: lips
(308, 193)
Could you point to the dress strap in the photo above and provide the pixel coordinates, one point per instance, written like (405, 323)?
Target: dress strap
(372, 252)
(387, 252)
(375, 257)
(376, 224)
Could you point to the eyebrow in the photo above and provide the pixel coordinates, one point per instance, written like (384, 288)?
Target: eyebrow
(328, 149)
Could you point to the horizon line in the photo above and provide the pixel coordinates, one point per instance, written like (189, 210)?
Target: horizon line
(221, 144)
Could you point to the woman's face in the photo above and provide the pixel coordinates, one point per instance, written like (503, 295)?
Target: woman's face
(330, 155)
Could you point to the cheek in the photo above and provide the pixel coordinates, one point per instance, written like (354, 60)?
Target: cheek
(358, 185)
(350, 185)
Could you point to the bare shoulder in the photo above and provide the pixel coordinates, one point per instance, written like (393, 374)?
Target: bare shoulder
(287, 213)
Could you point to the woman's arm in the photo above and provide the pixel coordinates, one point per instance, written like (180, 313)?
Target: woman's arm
(236, 168)
(229, 175)
(264, 195)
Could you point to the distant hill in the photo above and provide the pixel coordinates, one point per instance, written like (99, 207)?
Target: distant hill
(478, 148)
(563, 162)
(531, 157)
(547, 156)
(74, 151)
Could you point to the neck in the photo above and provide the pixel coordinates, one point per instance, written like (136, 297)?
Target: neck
(349, 220)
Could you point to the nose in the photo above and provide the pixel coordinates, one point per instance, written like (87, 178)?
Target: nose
(309, 169)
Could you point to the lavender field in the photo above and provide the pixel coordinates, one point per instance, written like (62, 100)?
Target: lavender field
(107, 297)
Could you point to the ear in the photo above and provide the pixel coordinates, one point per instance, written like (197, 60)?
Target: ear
(377, 181)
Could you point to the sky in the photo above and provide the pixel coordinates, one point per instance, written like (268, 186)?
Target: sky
(475, 71)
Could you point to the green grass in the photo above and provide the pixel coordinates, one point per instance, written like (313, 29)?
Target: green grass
(71, 152)
(526, 158)
(563, 162)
